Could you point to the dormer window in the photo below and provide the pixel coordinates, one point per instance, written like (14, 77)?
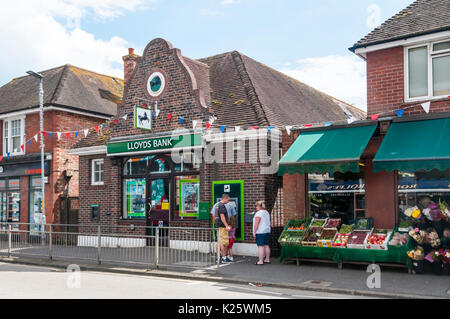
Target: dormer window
(13, 136)
(427, 73)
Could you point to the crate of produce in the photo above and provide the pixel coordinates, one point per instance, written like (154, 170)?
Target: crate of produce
(346, 229)
(333, 223)
(327, 238)
(312, 236)
(363, 223)
(341, 240)
(358, 238)
(297, 225)
(291, 238)
(377, 240)
(318, 222)
(398, 238)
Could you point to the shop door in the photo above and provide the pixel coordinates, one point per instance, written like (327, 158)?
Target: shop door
(158, 206)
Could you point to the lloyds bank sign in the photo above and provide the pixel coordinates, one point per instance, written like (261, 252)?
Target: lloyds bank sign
(162, 144)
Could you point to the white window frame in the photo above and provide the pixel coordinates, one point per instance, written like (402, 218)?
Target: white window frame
(10, 144)
(93, 164)
(430, 55)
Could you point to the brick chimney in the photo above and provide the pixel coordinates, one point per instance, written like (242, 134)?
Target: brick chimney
(129, 63)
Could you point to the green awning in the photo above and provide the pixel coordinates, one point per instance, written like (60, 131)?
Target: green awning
(412, 146)
(331, 150)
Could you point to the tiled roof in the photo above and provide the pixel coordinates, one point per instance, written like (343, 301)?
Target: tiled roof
(419, 18)
(66, 86)
(244, 92)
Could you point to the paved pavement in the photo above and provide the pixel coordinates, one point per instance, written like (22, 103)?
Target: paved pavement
(29, 282)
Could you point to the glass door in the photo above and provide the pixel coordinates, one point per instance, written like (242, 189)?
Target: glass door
(159, 201)
(3, 210)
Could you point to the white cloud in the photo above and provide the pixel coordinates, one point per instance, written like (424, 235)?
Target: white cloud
(343, 77)
(41, 34)
(225, 2)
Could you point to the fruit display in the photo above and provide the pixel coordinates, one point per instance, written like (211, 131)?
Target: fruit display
(291, 238)
(333, 223)
(327, 237)
(399, 239)
(318, 222)
(377, 240)
(346, 229)
(357, 238)
(311, 236)
(364, 223)
(341, 240)
(297, 225)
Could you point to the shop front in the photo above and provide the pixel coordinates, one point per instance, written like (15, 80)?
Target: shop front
(160, 177)
(21, 194)
(382, 204)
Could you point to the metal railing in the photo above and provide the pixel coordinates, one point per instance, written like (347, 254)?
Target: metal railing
(150, 247)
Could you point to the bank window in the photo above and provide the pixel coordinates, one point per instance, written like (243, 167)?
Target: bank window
(13, 136)
(337, 195)
(187, 201)
(98, 172)
(137, 165)
(424, 196)
(428, 71)
(134, 198)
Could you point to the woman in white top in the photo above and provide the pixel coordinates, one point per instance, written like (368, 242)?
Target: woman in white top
(261, 231)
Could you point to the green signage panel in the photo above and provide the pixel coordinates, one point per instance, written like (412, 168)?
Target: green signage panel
(204, 211)
(155, 144)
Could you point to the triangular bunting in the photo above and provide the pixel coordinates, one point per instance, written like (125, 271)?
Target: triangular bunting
(169, 116)
(254, 127)
(157, 112)
(50, 134)
(237, 128)
(115, 121)
(1, 158)
(375, 117)
(270, 128)
(124, 117)
(400, 113)
(308, 125)
(67, 135)
(222, 128)
(58, 134)
(181, 121)
(76, 134)
(86, 131)
(8, 155)
(22, 147)
(29, 142)
(96, 129)
(288, 130)
(36, 138)
(194, 123)
(208, 125)
(351, 120)
(328, 123)
(426, 107)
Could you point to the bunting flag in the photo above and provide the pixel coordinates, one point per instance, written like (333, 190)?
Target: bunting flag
(115, 122)
(76, 134)
(125, 117)
(157, 112)
(144, 105)
(400, 113)
(270, 128)
(59, 135)
(36, 138)
(194, 123)
(67, 135)
(237, 128)
(86, 131)
(181, 121)
(29, 142)
(49, 134)
(169, 116)
(308, 125)
(222, 128)
(96, 129)
(22, 147)
(288, 129)
(43, 133)
(8, 155)
(254, 127)
(426, 106)
(156, 109)
(328, 123)
(208, 125)
(212, 119)
(1, 158)
(375, 117)
(351, 120)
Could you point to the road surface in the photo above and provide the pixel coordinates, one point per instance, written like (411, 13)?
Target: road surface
(29, 282)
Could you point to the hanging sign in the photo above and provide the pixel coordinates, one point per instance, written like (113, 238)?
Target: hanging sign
(143, 118)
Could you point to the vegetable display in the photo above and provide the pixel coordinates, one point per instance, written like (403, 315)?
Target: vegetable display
(357, 239)
(341, 240)
(346, 229)
(312, 235)
(318, 222)
(333, 223)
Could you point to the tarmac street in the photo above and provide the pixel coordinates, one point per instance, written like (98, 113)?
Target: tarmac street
(29, 282)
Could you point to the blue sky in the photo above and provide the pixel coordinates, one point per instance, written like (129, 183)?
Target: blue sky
(306, 39)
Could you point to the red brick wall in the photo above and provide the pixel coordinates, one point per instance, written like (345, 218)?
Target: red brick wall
(386, 88)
